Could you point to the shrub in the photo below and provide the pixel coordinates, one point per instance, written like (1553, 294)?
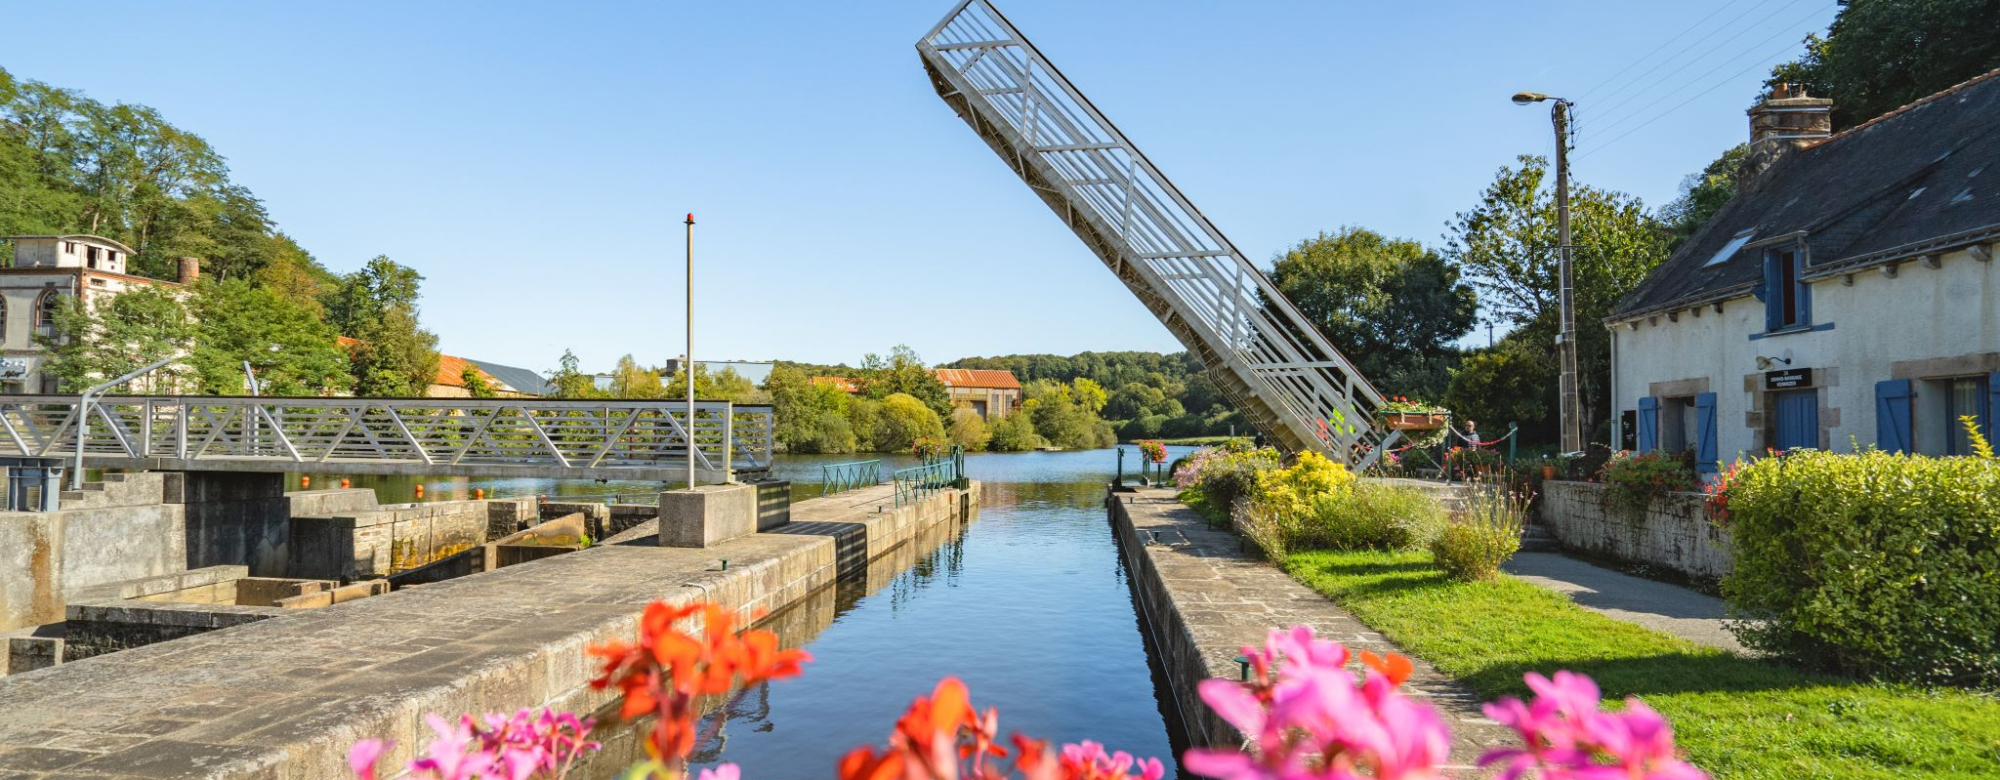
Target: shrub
(1872, 563)
(1013, 433)
(1470, 463)
(1368, 516)
(968, 429)
(1484, 536)
(1295, 491)
(1632, 481)
(1214, 477)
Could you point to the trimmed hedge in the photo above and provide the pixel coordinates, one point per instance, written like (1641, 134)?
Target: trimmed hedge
(1874, 564)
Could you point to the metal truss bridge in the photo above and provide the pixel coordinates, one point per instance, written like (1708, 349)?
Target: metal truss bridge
(605, 439)
(1267, 358)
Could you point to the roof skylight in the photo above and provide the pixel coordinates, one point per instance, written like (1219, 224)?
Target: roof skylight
(1729, 250)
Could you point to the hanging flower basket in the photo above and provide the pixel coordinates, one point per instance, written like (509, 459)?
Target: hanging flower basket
(1413, 421)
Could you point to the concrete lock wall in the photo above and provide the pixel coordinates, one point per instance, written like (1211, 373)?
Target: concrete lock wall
(237, 518)
(361, 545)
(44, 555)
(1674, 532)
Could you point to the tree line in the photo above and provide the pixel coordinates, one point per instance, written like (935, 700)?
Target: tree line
(70, 164)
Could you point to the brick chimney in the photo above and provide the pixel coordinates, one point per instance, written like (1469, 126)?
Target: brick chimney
(1786, 120)
(190, 270)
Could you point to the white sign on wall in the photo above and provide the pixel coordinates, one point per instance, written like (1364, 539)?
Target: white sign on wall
(13, 368)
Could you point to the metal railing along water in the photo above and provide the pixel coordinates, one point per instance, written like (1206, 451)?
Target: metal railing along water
(842, 477)
(917, 482)
(605, 439)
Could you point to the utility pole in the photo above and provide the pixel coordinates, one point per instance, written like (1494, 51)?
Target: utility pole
(688, 361)
(1572, 419)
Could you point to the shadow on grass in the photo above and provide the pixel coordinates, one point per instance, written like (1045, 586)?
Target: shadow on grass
(1381, 577)
(1667, 673)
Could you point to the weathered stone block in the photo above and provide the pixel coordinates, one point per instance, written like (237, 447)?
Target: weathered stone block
(28, 653)
(708, 515)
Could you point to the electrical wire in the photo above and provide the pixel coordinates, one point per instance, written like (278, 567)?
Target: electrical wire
(1642, 91)
(1677, 106)
(1663, 44)
(1691, 83)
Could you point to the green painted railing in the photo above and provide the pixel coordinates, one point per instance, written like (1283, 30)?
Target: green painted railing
(842, 477)
(916, 482)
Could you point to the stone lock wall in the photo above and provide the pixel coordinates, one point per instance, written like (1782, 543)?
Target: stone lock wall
(1674, 532)
(361, 545)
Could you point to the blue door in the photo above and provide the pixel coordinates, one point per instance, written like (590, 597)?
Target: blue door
(1798, 419)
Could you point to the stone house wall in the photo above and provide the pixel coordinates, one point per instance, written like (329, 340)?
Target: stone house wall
(1674, 532)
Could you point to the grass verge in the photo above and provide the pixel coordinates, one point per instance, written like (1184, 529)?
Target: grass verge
(1735, 717)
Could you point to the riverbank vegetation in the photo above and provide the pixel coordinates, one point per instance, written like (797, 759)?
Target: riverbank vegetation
(1146, 395)
(70, 164)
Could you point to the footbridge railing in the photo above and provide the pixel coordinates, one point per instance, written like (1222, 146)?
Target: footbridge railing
(1264, 355)
(600, 439)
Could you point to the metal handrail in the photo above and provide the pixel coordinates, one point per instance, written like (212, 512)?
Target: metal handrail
(588, 437)
(917, 482)
(842, 477)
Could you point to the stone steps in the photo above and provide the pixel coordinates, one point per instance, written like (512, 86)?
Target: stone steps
(1536, 538)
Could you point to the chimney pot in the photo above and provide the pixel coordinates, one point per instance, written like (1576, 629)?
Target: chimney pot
(1786, 120)
(190, 270)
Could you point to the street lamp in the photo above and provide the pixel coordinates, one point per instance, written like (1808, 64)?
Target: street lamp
(1572, 420)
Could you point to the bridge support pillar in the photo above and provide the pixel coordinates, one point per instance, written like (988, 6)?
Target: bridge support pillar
(712, 514)
(237, 518)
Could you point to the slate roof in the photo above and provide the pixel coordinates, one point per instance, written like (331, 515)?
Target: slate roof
(521, 379)
(1925, 177)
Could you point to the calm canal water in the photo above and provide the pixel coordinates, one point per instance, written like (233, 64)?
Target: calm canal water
(1028, 603)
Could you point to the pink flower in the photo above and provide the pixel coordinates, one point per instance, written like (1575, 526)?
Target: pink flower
(448, 757)
(362, 757)
(722, 772)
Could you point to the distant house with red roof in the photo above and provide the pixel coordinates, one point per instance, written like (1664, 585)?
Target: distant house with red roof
(841, 383)
(992, 393)
(505, 381)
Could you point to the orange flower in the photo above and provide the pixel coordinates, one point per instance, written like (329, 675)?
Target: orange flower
(1394, 666)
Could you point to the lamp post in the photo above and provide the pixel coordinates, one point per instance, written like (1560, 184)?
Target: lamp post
(687, 361)
(1572, 420)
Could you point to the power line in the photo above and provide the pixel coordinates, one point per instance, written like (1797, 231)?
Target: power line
(1637, 92)
(1656, 50)
(1637, 110)
(1677, 106)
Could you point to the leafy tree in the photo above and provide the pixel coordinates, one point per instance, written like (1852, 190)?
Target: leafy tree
(968, 429)
(1064, 417)
(1702, 194)
(1391, 306)
(476, 384)
(631, 380)
(1881, 54)
(1507, 244)
(1513, 382)
(1013, 433)
(394, 358)
(904, 372)
(810, 417)
(293, 351)
(364, 298)
(724, 385)
(1136, 400)
(903, 420)
(569, 380)
(108, 338)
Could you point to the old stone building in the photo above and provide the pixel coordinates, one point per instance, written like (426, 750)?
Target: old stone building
(993, 394)
(47, 272)
(1846, 295)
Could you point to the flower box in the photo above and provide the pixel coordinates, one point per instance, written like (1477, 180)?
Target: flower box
(1408, 421)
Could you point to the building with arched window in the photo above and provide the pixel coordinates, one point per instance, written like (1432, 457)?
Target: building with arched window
(47, 273)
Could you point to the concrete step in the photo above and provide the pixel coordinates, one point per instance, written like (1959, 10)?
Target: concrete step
(1535, 538)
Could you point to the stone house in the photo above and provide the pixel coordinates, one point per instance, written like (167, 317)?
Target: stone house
(1846, 295)
(992, 393)
(47, 271)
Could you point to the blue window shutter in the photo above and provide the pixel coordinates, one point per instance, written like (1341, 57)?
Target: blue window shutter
(1649, 424)
(1705, 459)
(1803, 290)
(1986, 421)
(1774, 299)
(1892, 415)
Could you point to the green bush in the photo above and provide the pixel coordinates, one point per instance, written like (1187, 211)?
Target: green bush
(1371, 516)
(1632, 481)
(1873, 564)
(1484, 535)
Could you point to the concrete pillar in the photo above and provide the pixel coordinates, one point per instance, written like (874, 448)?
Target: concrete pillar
(712, 514)
(235, 518)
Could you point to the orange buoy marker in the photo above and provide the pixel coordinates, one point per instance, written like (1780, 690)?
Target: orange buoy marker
(305, 481)
(420, 491)
(344, 483)
(479, 494)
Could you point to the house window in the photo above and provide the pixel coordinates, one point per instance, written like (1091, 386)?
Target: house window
(45, 313)
(1787, 298)
(1729, 250)
(69, 247)
(91, 255)
(1965, 397)
(1677, 424)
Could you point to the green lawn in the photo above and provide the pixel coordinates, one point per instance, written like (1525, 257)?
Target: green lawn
(1735, 717)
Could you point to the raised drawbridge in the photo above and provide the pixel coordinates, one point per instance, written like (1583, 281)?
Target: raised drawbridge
(1266, 357)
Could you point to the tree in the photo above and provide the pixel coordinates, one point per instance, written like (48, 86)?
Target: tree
(394, 358)
(903, 420)
(1882, 54)
(570, 381)
(968, 429)
(1013, 433)
(810, 417)
(108, 338)
(1513, 382)
(364, 298)
(1391, 306)
(1507, 244)
(724, 385)
(476, 384)
(631, 380)
(1702, 194)
(293, 351)
(904, 372)
(1061, 418)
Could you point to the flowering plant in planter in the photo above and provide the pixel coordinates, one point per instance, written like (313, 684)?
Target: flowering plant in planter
(1154, 450)
(1634, 480)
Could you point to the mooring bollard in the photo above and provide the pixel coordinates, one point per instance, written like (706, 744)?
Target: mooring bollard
(420, 491)
(479, 494)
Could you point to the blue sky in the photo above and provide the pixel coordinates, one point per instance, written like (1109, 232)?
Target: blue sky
(534, 160)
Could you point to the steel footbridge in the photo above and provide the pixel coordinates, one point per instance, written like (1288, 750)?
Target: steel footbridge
(559, 439)
(1266, 357)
